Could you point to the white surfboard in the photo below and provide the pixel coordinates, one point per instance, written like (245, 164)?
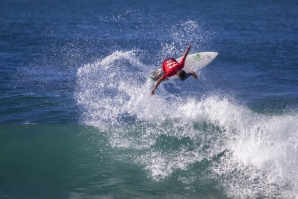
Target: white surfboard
(193, 62)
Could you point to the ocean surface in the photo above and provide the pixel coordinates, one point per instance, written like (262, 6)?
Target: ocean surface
(77, 119)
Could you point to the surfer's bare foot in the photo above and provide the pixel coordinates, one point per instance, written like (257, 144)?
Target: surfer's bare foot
(194, 75)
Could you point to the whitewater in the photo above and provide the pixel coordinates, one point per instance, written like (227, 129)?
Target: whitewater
(251, 154)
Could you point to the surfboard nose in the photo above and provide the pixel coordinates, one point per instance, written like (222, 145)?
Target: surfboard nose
(212, 54)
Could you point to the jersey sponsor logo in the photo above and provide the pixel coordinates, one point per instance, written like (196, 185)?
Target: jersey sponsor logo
(170, 64)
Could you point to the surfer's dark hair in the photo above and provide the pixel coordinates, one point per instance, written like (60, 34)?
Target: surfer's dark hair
(182, 75)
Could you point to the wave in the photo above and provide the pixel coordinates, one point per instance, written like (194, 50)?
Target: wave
(250, 154)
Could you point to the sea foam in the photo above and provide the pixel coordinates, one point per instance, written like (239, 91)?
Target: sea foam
(258, 152)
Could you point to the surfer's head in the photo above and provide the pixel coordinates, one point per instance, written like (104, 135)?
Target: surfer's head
(182, 75)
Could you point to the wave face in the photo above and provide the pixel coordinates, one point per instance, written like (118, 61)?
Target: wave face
(204, 140)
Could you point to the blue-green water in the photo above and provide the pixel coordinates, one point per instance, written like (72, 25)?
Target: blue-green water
(77, 119)
(69, 161)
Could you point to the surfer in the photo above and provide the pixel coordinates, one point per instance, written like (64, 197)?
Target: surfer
(171, 67)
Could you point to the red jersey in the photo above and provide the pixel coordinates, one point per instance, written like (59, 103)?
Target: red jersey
(171, 66)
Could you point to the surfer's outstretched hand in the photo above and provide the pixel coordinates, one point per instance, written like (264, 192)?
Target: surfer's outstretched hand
(156, 85)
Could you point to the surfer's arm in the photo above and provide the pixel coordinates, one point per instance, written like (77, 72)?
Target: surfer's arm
(156, 85)
(186, 52)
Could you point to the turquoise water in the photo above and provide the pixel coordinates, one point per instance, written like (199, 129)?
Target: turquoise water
(77, 119)
(70, 161)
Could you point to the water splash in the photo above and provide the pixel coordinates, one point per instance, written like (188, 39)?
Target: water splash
(250, 154)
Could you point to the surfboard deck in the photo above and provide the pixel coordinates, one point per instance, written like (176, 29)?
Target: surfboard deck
(193, 62)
